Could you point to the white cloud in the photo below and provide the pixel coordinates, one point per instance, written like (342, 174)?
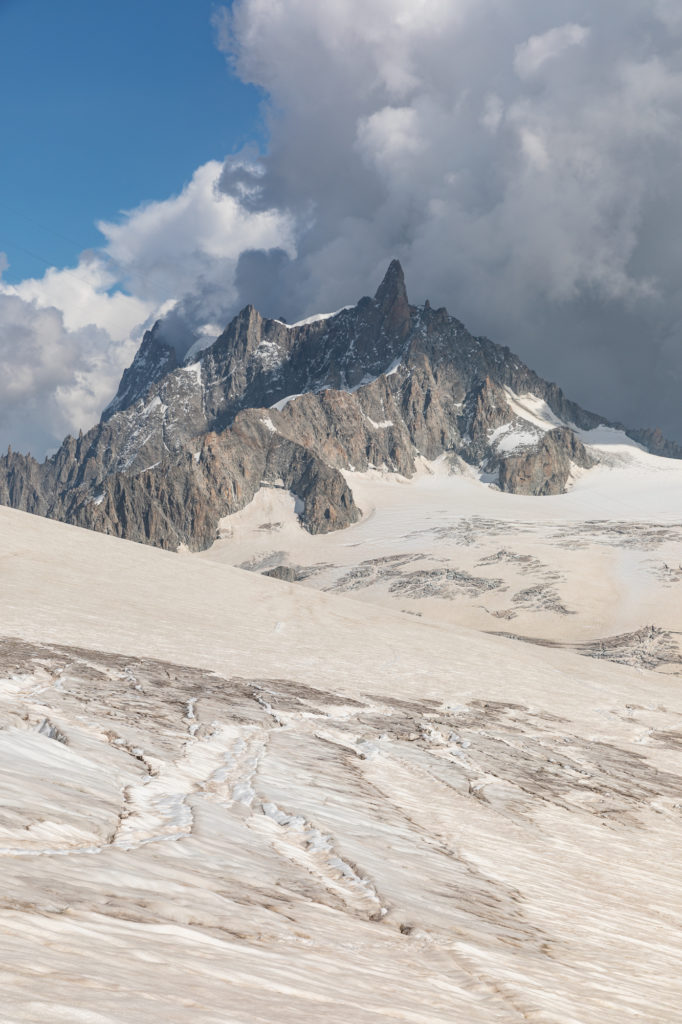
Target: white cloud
(388, 136)
(493, 112)
(51, 379)
(66, 337)
(534, 148)
(536, 51)
(82, 296)
(169, 248)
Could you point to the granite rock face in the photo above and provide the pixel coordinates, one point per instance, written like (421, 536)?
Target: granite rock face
(153, 360)
(375, 385)
(546, 467)
(656, 443)
(283, 572)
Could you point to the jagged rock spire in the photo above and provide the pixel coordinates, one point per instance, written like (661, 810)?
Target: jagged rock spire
(393, 285)
(391, 297)
(153, 360)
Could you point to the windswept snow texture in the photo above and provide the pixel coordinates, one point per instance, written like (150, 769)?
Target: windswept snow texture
(227, 797)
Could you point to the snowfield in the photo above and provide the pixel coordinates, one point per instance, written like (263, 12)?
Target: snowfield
(226, 797)
(602, 561)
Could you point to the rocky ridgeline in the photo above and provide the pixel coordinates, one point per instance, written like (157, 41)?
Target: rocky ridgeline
(377, 384)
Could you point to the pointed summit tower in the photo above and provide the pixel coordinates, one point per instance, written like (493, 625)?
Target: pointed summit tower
(391, 298)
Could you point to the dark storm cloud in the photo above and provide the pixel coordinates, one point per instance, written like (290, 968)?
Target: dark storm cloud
(521, 159)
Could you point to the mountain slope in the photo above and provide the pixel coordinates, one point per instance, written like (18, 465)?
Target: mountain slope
(377, 384)
(598, 569)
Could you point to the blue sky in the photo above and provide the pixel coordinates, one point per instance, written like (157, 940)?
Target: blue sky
(105, 105)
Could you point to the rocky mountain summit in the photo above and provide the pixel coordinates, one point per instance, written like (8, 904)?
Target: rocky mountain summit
(378, 384)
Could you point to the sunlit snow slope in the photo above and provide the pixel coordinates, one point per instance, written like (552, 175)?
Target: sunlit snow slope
(228, 798)
(598, 568)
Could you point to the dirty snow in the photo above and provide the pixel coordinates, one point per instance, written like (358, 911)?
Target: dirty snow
(228, 796)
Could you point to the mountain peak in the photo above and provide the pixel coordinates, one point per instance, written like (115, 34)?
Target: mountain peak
(153, 361)
(391, 298)
(393, 285)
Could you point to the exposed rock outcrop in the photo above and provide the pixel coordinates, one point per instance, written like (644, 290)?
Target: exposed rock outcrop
(375, 385)
(283, 572)
(153, 361)
(546, 467)
(655, 442)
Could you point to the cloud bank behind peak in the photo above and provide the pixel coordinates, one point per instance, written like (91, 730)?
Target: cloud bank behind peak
(520, 159)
